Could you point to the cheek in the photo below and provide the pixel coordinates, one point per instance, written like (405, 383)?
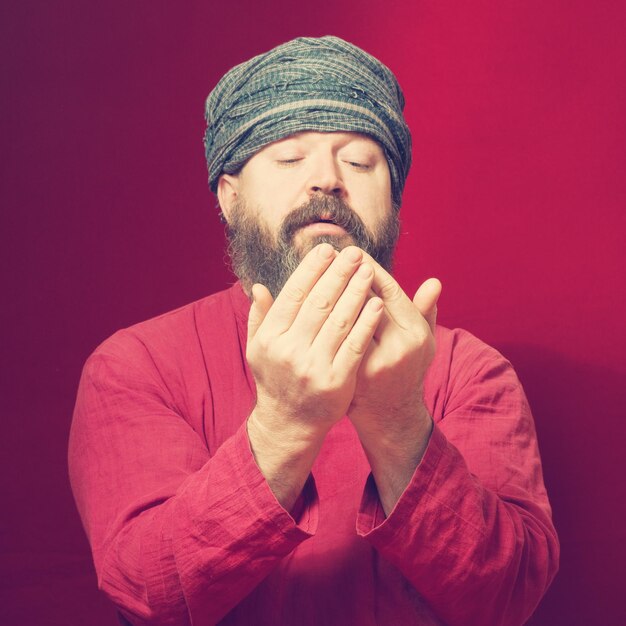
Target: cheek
(374, 203)
(269, 206)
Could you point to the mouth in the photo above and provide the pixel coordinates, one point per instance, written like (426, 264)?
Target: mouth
(323, 226)
(326, 218)
(318, 219)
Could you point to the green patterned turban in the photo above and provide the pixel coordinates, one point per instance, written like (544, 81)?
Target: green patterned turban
(324, 84)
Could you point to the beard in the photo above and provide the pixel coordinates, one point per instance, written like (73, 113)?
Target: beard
(259, 256)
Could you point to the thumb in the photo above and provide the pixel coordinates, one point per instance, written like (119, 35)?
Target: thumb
(261, 303)
(425, 300)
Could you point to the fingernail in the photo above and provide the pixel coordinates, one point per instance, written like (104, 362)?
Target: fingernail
(364, 271)
(376, 304)
(353, 254)
(325, 250)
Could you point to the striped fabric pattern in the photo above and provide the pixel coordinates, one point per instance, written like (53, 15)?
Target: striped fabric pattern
(320, 84)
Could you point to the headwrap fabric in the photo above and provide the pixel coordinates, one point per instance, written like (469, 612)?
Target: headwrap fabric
(319, 84)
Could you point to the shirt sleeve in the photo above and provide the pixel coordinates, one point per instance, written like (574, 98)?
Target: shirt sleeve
(177, 537)
(473, 530)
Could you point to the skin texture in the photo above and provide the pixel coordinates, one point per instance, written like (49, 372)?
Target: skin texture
(341, 336)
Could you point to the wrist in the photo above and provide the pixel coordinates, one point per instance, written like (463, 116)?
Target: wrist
(283, 431)
(394, 454)
(283, 455)
(402, 433)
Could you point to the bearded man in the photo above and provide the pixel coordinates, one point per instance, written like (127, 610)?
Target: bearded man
(294, 450)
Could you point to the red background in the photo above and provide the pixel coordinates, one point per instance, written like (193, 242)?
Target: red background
(516, 201)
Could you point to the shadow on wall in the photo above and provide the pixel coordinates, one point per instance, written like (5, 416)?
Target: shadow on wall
(580, 412)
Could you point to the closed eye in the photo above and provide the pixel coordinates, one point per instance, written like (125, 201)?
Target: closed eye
(287, 162)
(359, 166)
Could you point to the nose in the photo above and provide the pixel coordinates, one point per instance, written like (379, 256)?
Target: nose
(325, 176)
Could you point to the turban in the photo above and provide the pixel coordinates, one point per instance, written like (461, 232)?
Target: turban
(324, 84)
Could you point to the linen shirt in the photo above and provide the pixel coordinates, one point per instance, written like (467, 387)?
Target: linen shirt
(184, 528)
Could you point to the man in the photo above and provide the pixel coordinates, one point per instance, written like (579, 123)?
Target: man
(343, 471)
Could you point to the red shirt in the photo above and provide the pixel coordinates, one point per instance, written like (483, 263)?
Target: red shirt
(185, 530)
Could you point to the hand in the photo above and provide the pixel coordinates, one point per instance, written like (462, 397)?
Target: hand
(387, 409)
(390, 380)
(304, 351)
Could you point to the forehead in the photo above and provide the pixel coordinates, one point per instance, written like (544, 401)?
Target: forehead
(334, 139)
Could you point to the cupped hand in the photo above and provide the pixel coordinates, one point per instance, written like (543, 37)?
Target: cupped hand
(305, 348)
(387, 408)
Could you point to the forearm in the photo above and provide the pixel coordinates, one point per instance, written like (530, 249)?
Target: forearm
(284, 453)
(196, 554)
(476, 556)
(395, 452)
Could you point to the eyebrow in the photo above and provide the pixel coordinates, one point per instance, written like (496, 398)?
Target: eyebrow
(355, 140)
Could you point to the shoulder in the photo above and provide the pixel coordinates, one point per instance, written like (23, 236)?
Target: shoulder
(171, 330)
(168, 346)
(463, 353)
(465, 367)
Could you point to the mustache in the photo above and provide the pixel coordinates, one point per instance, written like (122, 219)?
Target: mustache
(323, 208)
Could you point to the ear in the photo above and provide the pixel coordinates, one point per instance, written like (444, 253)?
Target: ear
(227, 193)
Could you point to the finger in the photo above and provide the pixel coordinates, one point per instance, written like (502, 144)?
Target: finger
(261, 303)
(324, 295)
(341, 319)
(397, 304)
(354, 346)
(425, 300)
(298, 286)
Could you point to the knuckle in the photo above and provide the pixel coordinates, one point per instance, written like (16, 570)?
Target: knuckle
(261, 341)
(294, 293)
(254, 349)
(331, 383)
(303, 368)
(357, 288)
(285, 353)
(340, 322)
(390, 290)
(320, 302)
(305, 380)
(356, 347)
